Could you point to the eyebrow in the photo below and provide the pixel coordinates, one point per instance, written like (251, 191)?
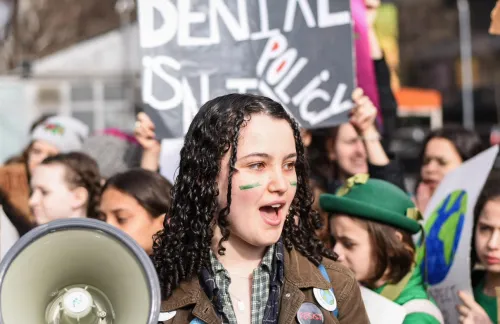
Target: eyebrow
(117, 210)
(345, 238)
(482, 223)
(267, 156)
(38, 186)
(434, 156)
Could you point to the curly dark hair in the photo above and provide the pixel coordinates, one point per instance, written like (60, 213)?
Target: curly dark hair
(81, 171)
(182, 249)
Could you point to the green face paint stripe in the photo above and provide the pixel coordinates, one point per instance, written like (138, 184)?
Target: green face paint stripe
(249, 186)
(293, 183)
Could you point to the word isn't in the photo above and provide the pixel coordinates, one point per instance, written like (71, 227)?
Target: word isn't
(283, 68)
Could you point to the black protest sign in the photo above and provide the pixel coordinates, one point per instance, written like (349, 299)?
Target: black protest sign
(297, 52)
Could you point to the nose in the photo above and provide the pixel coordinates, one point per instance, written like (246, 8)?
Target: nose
(360, 146)
(34, 199)
(278, 182)
(493, 242)
(338, 250)
(431, 167)
(110, 220)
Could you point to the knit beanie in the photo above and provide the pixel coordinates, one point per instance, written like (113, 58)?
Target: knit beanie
(114, 150)
(64, 132)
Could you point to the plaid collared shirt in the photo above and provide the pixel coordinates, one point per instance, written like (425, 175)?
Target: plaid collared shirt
(266, 279)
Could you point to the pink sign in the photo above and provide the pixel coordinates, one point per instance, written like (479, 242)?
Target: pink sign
(365, 70)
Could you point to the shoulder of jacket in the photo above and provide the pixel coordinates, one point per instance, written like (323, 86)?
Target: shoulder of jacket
(342, 279)
(336, 269)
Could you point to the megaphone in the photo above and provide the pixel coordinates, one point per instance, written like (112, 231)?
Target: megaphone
(78, 271)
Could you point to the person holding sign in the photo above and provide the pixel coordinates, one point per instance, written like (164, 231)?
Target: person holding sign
(144, 132)
(483, 307)
(351, 148)
(356, 147)
(443, 151)
(232, 251)
(372, 222)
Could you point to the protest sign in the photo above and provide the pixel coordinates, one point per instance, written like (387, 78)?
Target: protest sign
(449, 220)
(365, 69)
(297, 52)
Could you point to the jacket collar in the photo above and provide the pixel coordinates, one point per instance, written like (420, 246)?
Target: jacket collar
(191, 293)
(303, 273)
(186, 294)
(299, 271)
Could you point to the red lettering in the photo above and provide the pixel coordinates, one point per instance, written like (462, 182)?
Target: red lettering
(282, 65)
(310, 316)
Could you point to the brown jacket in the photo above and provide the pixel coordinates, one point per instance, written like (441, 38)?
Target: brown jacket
(301, 276)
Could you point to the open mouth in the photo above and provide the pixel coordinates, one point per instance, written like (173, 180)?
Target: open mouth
(271, 214)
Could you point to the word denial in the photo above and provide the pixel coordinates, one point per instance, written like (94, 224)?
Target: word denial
(179, 22)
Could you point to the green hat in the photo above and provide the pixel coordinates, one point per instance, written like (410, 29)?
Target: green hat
(374, 200)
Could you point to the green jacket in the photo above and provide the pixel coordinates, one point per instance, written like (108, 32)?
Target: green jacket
(414, 289)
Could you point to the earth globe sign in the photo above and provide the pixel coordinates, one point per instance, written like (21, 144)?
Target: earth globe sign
(443, 231)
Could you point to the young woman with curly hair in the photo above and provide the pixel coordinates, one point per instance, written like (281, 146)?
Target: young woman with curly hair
(65, 186)
(240, 244)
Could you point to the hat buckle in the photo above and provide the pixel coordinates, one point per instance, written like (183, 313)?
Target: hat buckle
(360, 178)
(414, 213)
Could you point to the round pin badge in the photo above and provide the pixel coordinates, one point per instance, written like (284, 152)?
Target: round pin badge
(310, 314)
(325, 298)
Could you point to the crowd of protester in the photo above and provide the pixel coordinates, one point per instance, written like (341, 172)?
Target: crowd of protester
(333, 199)
(356, 188)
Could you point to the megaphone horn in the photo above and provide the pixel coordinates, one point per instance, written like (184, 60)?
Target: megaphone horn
(78, 271)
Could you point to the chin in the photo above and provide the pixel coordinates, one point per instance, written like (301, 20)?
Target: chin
(266, 238)
(495, 268)
(358, 170)
(40, 220)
